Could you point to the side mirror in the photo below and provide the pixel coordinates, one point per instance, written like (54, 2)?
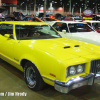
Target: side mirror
(7, 35)
(64, 31)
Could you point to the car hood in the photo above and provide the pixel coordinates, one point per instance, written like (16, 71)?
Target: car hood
(89, 35)
(61, 48)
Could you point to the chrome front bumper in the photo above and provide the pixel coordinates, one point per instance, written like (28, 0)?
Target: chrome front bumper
(76, 82)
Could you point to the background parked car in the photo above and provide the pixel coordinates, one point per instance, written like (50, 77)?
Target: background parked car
(41, 15)
(77, 30)
(11, 19)
(29, 18)
(49, 19)
(77, 19)
(18, 15)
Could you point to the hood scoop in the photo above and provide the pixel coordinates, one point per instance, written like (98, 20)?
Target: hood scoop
(66, 47)
(76, 45)
(70, 46)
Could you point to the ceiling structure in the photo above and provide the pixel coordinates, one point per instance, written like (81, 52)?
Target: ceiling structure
(92, 4)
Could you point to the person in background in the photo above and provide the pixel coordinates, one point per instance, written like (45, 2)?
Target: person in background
(32, 15)
(68, 18)
(11, 15)
(20, 16)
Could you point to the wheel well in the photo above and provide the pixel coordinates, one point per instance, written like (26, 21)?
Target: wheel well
(23, 62)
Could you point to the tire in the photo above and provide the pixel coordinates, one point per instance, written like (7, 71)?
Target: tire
(32, 77)
(1, 60)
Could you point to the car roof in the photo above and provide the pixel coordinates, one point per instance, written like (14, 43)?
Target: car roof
(68, 22)
(33, 17)
(51, 18)
(24, 23)
(93, 21)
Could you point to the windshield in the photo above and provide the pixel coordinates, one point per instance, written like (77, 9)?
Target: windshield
(96, 25)
(29, 32)
(78, 18)
(79, 27)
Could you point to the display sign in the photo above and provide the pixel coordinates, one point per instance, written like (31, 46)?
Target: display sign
(87, 14)
(10, 1)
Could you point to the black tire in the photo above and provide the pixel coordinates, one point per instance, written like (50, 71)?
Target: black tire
(32, 77)
(1, 60)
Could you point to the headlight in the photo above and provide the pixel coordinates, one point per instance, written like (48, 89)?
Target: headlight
(75, 69)
(72, 70)
(80, 69)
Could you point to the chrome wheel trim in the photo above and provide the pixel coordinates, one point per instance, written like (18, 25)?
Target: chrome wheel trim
(31, 77)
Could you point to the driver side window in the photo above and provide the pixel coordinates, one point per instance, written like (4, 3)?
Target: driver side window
(6, 29)
(60, 26)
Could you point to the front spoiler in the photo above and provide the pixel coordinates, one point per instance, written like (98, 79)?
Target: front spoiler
(76, 82)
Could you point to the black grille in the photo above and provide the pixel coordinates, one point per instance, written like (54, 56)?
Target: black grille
(95, 66)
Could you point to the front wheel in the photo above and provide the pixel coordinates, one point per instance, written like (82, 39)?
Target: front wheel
(32, 77)
(1, 60)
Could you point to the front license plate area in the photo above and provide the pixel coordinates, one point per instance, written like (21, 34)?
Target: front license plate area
(77, 85)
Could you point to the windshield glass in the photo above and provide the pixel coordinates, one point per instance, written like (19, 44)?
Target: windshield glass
(96, 25)
(79, 27)
(78, 18)
(29, 32)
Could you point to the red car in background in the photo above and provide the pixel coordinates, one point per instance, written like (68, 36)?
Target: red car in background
(49, 19)
(28, 18)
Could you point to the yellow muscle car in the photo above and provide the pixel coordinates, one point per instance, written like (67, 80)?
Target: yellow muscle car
(45, 57)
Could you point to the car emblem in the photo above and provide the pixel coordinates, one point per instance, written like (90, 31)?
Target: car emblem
(98, 66)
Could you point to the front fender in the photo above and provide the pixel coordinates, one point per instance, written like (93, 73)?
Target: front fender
(29, 58)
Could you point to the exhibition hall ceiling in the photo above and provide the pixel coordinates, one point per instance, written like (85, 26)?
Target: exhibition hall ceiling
(74, 3)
